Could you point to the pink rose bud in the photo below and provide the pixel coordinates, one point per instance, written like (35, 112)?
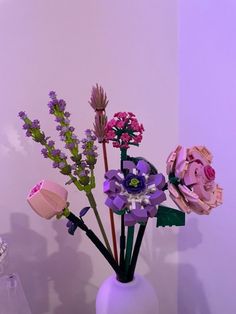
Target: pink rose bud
(209, 173)
(47, 198)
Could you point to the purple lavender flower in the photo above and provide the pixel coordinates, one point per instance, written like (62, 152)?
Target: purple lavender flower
(26, 126)
(61, 105)
(52, 95)
(55, 152)
(28, 133)
(59, 119)
(51, 143)
(66, 121)
(71, 129)
(88, 132)
(55, 164)
(44, 152)
(63, 156)
(61, 165)
(66, 114)
(64, 129)
(22, 115)
(59, 127)
(70, 145)
(137, 194)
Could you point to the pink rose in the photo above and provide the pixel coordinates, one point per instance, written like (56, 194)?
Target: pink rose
(47, 198)
(196, 190)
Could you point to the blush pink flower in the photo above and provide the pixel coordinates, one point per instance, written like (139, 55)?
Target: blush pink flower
(47, 198)
(191, 180)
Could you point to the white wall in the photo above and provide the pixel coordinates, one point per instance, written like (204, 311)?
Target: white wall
(130, 47)
(207, 50)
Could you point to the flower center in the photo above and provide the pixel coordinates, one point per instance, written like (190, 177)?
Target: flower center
(134, 182)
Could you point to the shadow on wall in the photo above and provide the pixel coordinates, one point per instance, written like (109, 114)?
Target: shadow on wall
(157, 253)
(190, 290)
(68, 269)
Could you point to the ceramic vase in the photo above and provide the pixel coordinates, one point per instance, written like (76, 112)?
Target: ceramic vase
(135, 297)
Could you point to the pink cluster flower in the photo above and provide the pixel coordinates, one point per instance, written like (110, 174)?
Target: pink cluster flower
(124, 130)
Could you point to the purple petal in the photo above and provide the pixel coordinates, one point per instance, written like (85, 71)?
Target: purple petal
(157, 198)
(109, 203)
(130, 165)
(157, 179)
(111, 174)
(129, 220)
(109, 186)
(143, 167)
(151, 210)
(140, 215)
(120, 201)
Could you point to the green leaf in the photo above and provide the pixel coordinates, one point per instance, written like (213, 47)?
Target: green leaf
(167, 216)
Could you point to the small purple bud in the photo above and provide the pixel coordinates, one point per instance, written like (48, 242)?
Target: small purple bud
(55, 152)
(52, 95)
(26, 126)
(44, 152)
(58, 128)
(67, 114)
(61, 104)
(64, 129)
(51, 105)
(28, 133)
(62, 165)
(71, 128)
(51, 143)
(22, 115)
(67, 121)
(63, 156)
(55, 164)
(59, 119)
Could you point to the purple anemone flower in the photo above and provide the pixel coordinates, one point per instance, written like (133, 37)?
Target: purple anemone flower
(136, 194)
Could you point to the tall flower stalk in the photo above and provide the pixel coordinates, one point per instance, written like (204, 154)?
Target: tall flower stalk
(99, 102)
(81, 171)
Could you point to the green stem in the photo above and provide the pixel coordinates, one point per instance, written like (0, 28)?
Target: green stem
(136, 252)
(129, 247)
(93, 205)
(123, 156)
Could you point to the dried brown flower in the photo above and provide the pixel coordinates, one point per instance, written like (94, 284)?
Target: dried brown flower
(99, 126)
(98, 98)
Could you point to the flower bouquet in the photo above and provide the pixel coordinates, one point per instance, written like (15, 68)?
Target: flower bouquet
(135, 191)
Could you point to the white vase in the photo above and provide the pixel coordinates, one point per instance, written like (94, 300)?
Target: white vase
(135, 297)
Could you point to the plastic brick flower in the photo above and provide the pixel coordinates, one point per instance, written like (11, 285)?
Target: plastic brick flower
(124, 130)
(192, 180)
(47, 198)
(135, 194)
